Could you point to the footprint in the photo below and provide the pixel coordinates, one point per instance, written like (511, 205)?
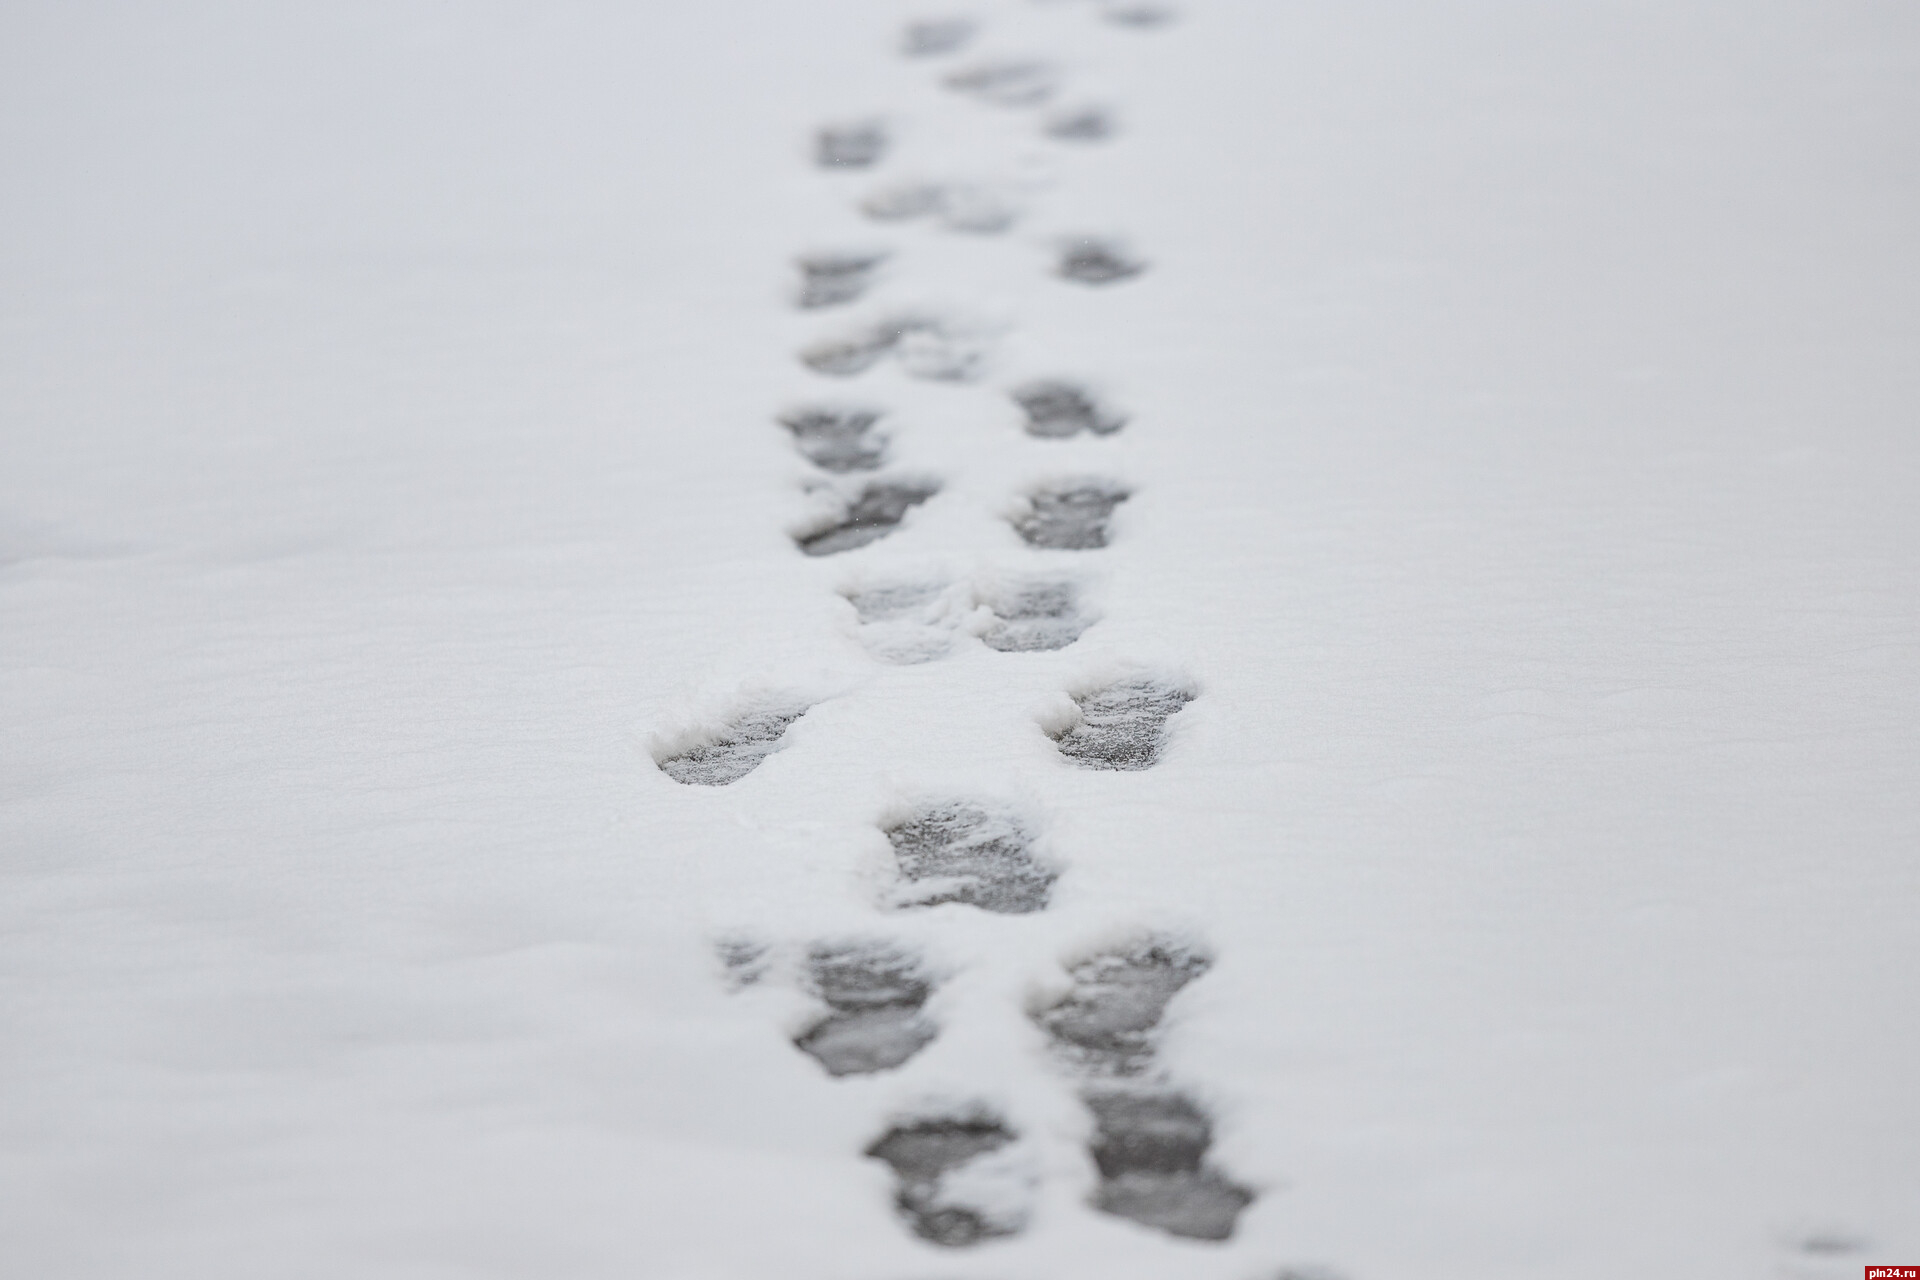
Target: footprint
(857, 144)
(935, 351)
(733, 751)
(972, 208)
(1058, 410)
(926, 348)
(1130, 14)
(931, 1161)
(849, 356)
(1105, 1024)
(744, 959)
(1069, 516)
(1090, 260)
(1150, 1145)
(837, 440)
(905, 623)
(1006, 82)
(834, 279)
(879, 509)
(961, 852)
(875, 991)
(933, 37)
(1123, 725)
(1079, 124)
(1033, 615)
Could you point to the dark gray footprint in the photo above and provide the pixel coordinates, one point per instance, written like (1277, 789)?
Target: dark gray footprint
(733, 750)
(1033, 616)
(1090, 260)
(1059, 410)
(924, 1154)
(1123, 725)
(875, 992)
(962, 852)
(837, 439)
(877, 512)
(856, 144)
(1150, 1145)
(933, 37)
(1105, 1025)
(834, 279)
(1069, 516)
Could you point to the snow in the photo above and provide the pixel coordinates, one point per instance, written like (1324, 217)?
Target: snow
(1518, 438)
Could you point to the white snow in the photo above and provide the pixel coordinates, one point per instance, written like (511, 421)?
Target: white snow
(1521, 445)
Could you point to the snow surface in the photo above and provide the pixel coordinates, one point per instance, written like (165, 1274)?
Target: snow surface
(1520, 439)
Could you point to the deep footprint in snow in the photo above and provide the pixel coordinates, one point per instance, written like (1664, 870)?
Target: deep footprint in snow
(1150, 1145)
(1105, 1024)
(1122, 725)
(961, 852)
(1033, 615)
(877, 512)
(933, 37)
(1091, 260)
(856, 144)
(1007, 82)
(1079, 124)
(925, 347)
(837, 439)
(931, 1161)
(1069, 516)
(1059, 410)
(973, 208)
(834, 279)
(875, 991)
(734, 750)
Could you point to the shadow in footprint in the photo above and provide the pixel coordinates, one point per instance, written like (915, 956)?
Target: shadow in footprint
(1123, 725)
(1070, 516)
(1079, 124)
(1130, 13)
(1033, 615)
(961, 852)
(733, 751)
(925, 1156)
(857, 144)
(837, 440)
(744, 961)
(873, 515)
(1105, 1024)
(1059, 410)
(1006, 83)
(1089, 260)
(875, 992)
(933, 37)
(834, 279)
(1150, 1145)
